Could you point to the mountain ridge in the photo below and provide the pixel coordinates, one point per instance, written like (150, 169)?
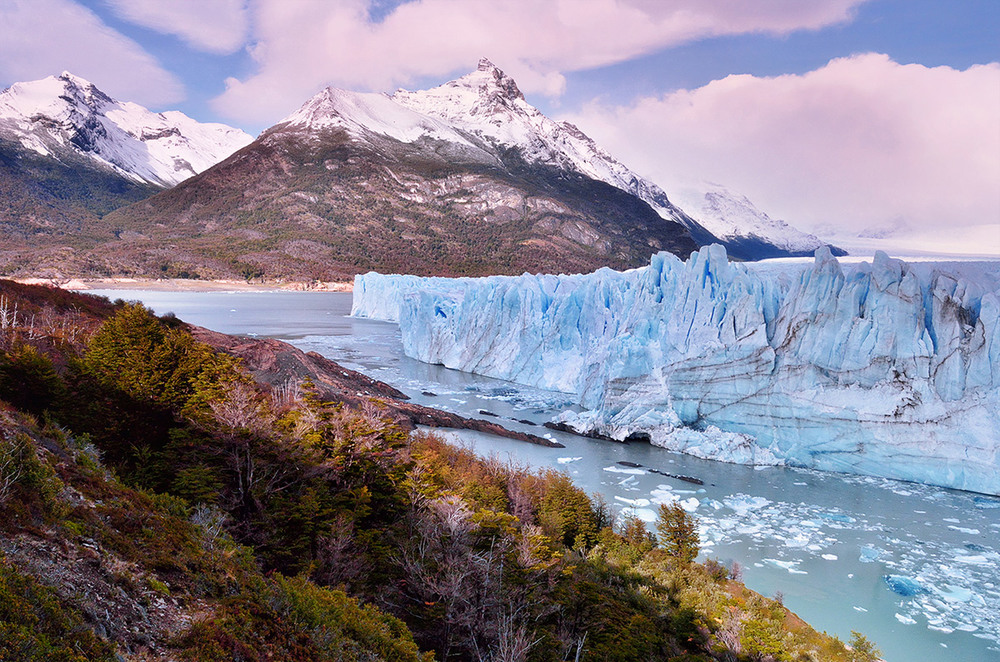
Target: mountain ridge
(463, 179)
(59, 114)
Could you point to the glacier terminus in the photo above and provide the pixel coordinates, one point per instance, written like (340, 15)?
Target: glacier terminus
(885, 368)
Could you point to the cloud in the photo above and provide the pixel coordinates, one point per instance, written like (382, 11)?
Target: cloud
(861, 143)
(219, 26)
(39, 38)
(302, 46)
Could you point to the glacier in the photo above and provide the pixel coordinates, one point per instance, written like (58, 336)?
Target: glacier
(883, 368)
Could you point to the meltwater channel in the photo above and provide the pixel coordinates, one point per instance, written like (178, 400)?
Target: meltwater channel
(913, 567)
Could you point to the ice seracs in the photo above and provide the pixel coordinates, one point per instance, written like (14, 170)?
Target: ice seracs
(884, 368)
(66, 114)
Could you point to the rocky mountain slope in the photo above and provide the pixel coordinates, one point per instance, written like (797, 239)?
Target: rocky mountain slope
(69, 154)
(353, 181)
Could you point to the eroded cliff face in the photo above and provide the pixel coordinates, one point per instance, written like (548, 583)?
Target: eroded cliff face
(885, 368)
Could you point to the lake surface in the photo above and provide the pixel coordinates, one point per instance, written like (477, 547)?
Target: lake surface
(913, 567)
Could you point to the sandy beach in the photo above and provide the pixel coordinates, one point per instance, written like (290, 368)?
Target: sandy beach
(189, 285)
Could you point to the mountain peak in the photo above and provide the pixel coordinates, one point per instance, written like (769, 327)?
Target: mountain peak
(491, 81)
(83, 90)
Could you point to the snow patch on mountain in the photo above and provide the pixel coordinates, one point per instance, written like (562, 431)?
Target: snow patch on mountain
(362, 114)
(66, 114)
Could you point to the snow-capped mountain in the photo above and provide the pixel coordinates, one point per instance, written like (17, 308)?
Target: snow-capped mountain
(488, 104)
(738, 224)
(66, 115)
(352, 182)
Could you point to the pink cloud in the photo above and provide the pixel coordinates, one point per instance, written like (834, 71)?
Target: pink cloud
(862, 142)
(39, 38)
(219, 26)
(303, 46)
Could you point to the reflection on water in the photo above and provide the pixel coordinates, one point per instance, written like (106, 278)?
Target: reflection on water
(915, 568)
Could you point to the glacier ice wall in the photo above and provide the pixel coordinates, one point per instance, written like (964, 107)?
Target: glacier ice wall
(885, 369)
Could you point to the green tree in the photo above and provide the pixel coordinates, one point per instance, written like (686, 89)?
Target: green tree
(28, 380)
(863, 649)
(678, 532)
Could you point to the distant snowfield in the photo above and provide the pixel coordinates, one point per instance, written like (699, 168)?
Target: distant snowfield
(882, 368)
(976, 242)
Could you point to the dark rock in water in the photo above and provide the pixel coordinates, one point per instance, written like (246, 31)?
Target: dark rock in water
(562, 427)
(486, 412)
(686, 479)
(634, 465)
(429, 394)
(905, 586)
(526, 421)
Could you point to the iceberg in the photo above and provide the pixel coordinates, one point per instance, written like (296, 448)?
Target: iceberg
(883, 368)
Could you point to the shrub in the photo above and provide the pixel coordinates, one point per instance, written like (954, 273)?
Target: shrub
(36, 624)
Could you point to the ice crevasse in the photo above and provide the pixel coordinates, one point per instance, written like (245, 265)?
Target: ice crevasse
(883, 368)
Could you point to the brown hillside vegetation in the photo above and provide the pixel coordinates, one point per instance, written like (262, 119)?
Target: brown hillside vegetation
(156, 502)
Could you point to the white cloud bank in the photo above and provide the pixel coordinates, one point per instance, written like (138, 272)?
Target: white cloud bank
(40, 38)
(861, 143)
(215, 26)
(302, 46)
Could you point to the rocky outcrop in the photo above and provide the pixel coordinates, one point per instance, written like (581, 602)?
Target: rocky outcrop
(275, 363)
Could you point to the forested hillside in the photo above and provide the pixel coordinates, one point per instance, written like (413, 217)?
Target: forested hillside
(158, 503)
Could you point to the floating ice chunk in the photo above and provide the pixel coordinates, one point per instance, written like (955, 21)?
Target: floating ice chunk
(638, 503)
(838, 517)
(861, 609)
(626, 470)
(567, 460)
(829, 557)
(744, 503)
(905, 586)
(689, 505)
(954, 593)
(952, 520)
(905, 620)
(962, 529)
(871, 554)
(797, 539)
(644, 514)
(977, 559)
(985, 502)
(790, 566)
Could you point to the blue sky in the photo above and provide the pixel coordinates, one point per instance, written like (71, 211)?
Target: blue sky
(773, 96)
(929, 32)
